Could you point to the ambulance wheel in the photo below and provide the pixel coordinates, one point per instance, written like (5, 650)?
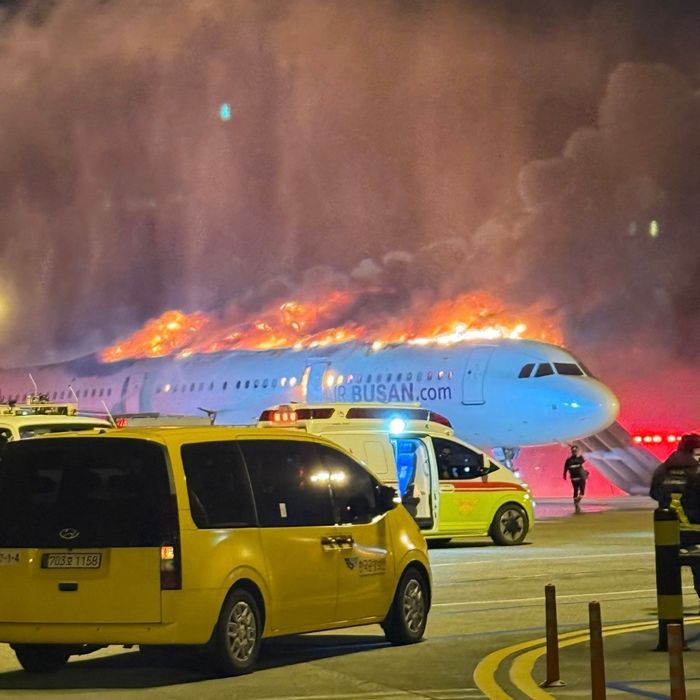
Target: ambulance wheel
(41, 658)
(236, 640)
(510, 525)
(408, 615)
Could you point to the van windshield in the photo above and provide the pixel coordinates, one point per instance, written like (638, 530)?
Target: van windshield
(85, 492)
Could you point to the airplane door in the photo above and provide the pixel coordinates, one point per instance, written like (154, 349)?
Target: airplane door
(314, 374)
(474, 373)
(131, 392)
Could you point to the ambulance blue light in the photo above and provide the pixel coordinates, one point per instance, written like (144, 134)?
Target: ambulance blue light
(397, 425)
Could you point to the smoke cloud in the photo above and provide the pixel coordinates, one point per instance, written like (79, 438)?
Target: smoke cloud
(219, 154)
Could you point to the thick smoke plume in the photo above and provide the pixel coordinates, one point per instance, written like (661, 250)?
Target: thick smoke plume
(221, 154)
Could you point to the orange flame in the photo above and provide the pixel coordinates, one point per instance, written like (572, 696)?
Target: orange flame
(294, 324)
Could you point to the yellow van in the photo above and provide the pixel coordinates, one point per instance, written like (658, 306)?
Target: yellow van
(211, 536)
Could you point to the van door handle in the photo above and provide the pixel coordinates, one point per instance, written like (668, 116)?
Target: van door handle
(329, 542)
(446, 488)
(345, 541)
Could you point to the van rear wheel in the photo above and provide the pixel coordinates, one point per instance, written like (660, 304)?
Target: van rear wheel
(41, 658)
(510, 525)
(408, 615)
(236, 640)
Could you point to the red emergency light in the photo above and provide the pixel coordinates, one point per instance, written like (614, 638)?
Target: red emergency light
(656, 438)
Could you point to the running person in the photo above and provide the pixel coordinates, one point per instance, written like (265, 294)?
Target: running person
(574, 466)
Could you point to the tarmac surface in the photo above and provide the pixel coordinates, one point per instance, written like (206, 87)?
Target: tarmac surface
(633, 667)
(485, 638)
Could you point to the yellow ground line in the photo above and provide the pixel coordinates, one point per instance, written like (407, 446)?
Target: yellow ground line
(485, 671)
(521, 669)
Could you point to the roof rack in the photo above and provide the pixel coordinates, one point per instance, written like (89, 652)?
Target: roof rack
(295, 414)
(148, 419)
(38, 404)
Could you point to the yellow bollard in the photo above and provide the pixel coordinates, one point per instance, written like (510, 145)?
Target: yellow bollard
(669, 591)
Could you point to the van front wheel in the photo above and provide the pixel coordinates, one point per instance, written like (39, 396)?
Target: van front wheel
(408, 615)
(236, 640)
(509, 525)
(41, 658)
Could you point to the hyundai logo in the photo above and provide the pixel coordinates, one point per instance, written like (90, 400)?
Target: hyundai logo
(68, 533)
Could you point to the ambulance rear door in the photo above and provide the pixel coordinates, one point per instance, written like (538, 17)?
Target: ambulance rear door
(415, 483)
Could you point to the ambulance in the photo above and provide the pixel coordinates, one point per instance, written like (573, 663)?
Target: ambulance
(451, 488)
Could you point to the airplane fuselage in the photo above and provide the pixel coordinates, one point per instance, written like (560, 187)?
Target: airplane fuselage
(476, 385)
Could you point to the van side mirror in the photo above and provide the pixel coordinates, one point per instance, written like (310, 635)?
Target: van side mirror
(387, 498)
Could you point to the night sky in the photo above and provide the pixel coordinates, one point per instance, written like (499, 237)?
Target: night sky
(546, 152)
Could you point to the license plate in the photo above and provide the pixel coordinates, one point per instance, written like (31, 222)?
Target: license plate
(9, 557)
(72, 560)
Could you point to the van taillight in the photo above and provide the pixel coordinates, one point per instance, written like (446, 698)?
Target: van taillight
(170, 567)
(170, 553)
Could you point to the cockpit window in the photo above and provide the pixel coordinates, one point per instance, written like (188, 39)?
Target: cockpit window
(585, 369)
(544, 370)
(526, 371)
(568, 368)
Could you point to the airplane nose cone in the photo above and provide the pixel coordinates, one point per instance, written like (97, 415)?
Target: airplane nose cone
(596, 408)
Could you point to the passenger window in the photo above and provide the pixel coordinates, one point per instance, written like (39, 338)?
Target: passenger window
(290, 485)
(526, 371)
(544, 370)
(353, 489)
(457, 461)
(218, 486)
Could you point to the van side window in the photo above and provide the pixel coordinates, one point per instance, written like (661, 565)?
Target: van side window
(352, 486)
(290, 485)
(218, 486)
(457, 461)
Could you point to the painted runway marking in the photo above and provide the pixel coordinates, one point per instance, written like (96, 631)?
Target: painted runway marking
(567, 596)
(528, 560)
